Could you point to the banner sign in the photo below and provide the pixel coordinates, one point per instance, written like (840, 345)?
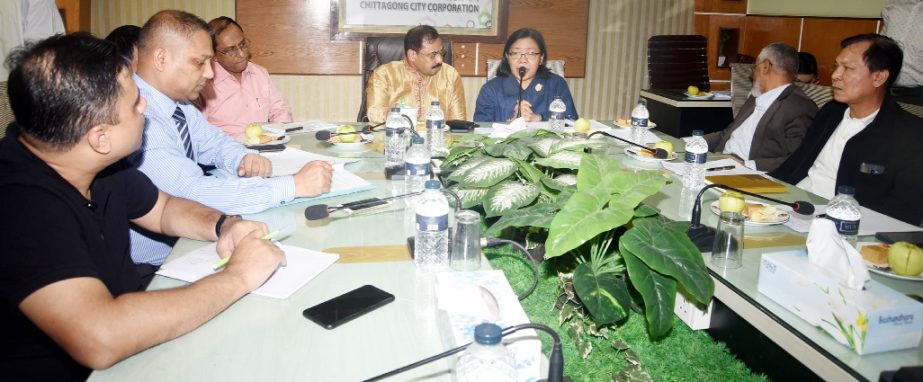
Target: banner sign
(357, 18)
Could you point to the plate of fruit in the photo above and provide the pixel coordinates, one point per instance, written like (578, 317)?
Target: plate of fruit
(347, 139)
(900, 260)
(755, 213)
(626, 123)
(693, 92)
(254, 136)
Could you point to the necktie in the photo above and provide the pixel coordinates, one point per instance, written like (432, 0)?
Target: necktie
(183, 128)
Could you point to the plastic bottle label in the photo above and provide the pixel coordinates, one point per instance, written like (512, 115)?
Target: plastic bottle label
(845, 227)
(390, 131)
(698, 158)
(432, 223)
(639, 122)
(417, 169)
(433, 123)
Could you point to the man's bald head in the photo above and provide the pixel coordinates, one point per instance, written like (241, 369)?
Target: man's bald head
(170, 23)
(175, 53)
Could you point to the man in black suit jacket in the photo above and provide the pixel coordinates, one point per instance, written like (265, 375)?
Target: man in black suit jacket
(864, 139)
(773, 121)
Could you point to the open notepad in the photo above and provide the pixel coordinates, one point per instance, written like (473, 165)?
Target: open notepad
(302, 266)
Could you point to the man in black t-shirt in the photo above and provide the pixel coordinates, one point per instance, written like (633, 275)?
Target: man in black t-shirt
(69, 298)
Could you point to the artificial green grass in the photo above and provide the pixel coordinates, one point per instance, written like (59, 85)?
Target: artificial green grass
(684, 355)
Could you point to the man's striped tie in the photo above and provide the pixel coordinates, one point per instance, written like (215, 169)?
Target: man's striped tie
(183, 128)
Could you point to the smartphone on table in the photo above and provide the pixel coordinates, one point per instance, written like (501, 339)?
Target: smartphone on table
(348, 306)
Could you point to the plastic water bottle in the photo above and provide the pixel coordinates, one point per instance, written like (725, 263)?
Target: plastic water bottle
(417, 168)
(640, 118)
(845, 213)
(435, 124)
(696, 151)
(395, 127)
(556, 114)
(431, 243)
(486, 359)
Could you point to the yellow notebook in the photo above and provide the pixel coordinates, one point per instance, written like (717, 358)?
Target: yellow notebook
(750, 182)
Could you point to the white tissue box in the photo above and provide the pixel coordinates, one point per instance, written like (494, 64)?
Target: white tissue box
(872, 320)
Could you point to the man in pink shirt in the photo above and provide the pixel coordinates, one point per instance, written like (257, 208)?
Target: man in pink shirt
(241, 92)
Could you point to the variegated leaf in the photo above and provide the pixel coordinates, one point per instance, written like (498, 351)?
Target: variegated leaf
(542, 147)
(508, 150)
(470, 197)
(458, 174)
(538, 215)
(563, 159)
(574, 144)
(509, 195)
(488, 173)
(568, 179)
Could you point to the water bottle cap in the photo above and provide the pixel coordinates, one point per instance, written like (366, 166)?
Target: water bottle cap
(488, 334)
(642, 101)
(844, 189)
(416, 140)
(435, 103)
(697, 133)
(432, 184)
(395, 110)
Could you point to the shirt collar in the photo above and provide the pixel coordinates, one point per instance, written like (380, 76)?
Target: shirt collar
(221, 74)
(864, 120)
(767, 98)
(157, 102)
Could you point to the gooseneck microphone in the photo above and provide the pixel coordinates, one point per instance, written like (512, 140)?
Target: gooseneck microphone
(522, 73)
(324, 135)
(555, 360)
(657, 152)
(703, 236)
(320, 211)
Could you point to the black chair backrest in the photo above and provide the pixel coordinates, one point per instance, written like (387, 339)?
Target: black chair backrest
(677, 61)
(380, 51)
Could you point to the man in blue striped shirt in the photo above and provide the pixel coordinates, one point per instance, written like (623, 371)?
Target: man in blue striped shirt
(174, 50)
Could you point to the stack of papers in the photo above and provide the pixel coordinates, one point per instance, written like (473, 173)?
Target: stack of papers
(302, 266)
(296, 128)
(290, 160)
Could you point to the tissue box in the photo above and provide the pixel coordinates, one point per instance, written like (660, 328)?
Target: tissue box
(869, 321)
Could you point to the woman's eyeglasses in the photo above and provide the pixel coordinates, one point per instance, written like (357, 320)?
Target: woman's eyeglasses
(232, 51)
(527, 55)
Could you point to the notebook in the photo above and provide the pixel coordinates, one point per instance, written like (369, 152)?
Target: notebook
(749, 182)
(302, 266)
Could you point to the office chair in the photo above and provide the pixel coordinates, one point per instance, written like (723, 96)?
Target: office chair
(380, 51)
(677, 61)
(6, 113)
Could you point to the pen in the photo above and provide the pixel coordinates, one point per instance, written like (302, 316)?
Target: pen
(225, 260)
(731, 167)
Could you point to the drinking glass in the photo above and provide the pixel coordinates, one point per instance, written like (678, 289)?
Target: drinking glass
(727, 251)
(465, 254)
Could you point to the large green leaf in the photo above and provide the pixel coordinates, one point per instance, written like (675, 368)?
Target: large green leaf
(508, 150)
(568, 179)
(582, 218)
(464, 165)
(562, 160)
(542, 147)
(670, 253)
(529, 172)
(604, 294)
(539, 215)
(470, 197)
(572, 144)
(458, 153)
(657, 291)
(508, 195)
(487, 173)
(633, 187)
(644, 211)
(594, 169)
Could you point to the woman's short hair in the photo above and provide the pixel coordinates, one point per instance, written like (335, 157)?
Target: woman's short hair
(505, 70)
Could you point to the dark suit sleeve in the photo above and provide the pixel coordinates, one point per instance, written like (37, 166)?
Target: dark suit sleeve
(713, 139)
(794, 131)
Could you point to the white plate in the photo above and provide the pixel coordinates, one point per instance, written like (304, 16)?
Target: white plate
(884, 269)
(782, 216)
(277, 139)
(650, 125)
(630, 151)
(702, 95)
(360, 145)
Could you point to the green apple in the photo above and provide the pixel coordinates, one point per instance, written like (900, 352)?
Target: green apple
(905, 259)
(692, 90)
(347, 138)
(731, 201)
(582, 125)
(666, 145)
(253, 132)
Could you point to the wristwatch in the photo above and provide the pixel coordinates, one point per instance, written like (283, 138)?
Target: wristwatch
(220, 222)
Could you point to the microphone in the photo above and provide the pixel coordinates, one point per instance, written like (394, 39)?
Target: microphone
(658, 152)
(320, 211)
(522, 72)
(324, 135)
(555, 360)
(703, 236)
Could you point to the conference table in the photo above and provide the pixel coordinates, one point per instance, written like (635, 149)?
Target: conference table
(260, 338)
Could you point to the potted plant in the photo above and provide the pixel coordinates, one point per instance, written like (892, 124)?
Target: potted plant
(615, 253)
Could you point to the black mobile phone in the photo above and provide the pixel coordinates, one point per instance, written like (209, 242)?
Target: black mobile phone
(346, 307)
(915, 237)
(460, 126)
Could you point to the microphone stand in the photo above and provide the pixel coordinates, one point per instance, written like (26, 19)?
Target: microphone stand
(703, 236)
(522, 72)
(555, 360)
(658, 152)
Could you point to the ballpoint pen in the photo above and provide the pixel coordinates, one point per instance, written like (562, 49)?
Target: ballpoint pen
(225, 260)
(731, 167)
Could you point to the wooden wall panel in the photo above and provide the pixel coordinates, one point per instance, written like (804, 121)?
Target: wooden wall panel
(721, 6)
(75, 14)
(293, 36)
(708, 26)
(760, 31)
(822, 39)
